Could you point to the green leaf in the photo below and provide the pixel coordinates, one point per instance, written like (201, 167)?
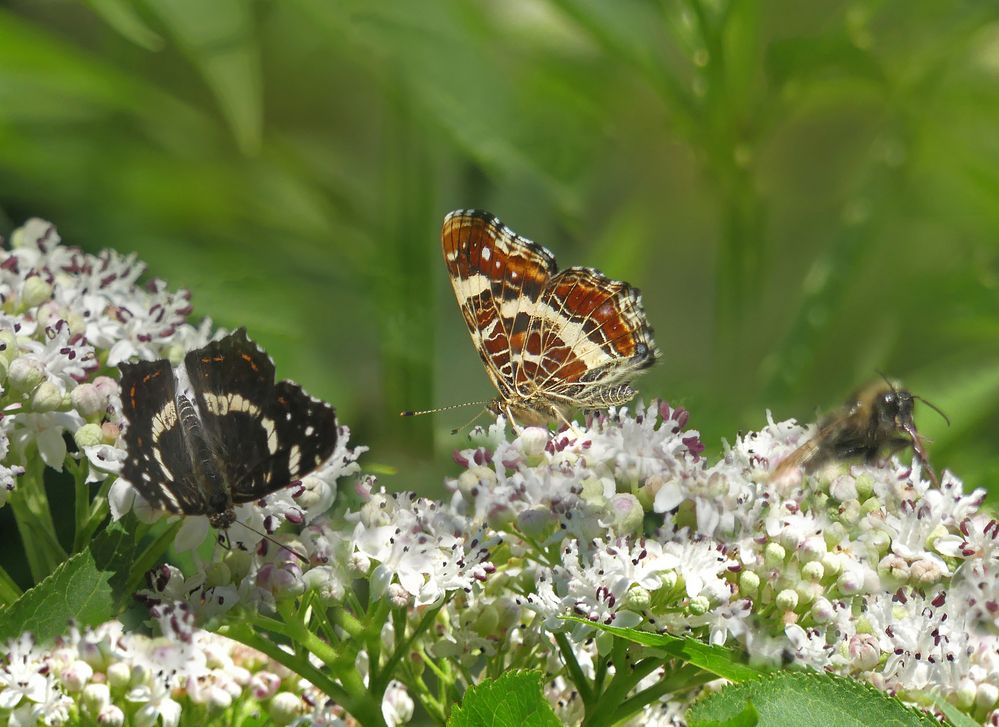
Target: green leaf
(81, 589)
(715, 659)
(954, 715)
(805, 699)
(218, 37)
(121, 16)
(513, 700)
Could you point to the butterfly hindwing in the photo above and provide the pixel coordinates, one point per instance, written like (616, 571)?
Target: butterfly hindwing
(159, 464)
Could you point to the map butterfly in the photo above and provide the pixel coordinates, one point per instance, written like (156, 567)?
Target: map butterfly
(221, 432)
(550, 340)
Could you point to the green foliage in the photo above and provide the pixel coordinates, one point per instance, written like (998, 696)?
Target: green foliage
(717, 660)
(514, 699)
(802, 699)
(84, 589)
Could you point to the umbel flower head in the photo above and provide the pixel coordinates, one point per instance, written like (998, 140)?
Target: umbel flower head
(360, 594)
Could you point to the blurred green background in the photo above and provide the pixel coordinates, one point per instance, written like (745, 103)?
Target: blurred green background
(805, 192)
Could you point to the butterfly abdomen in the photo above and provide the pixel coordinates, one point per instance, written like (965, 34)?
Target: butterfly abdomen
(218, 503)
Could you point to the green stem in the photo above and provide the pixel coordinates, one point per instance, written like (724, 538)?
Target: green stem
(149, 558)
(301, 666)
(99, 510)
(683, 678)
(575, 672)
(402, 649)
(81, 500)
(376, 620)
(610, 701)
(351, 692)
(9, 590)
(34, 521)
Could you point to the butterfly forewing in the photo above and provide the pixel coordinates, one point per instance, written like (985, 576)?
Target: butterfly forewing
(497, 276)
(159, 464)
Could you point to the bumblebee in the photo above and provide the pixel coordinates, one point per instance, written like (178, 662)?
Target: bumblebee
(876, 421)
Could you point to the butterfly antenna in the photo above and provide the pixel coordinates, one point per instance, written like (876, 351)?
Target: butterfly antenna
(281, 545)
(469, 423)
(934, 407)
(421, 412)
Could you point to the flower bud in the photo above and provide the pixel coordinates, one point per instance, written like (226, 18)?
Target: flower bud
(851, 583)
(637, 599)
(217, 574)
(88, 400)
(532, 442)
(864, 651)
(813, 548)
(822, 610)
(284, 708)
(95, 698)
(119, 674)
(832, 563)
(111, 716)
(813, 571)
(669, 579)
(834, 534)
(47, 397)
(75, 676)
(865, 486)
(926, 571)
(398, 596)
(843, 488)
(264, 685)
(88, 435)
(749, 583)
(774, 554)
(25, 373)
(323, 580)
(626, 513)
(35, 291)
(238, 562)
(891, 566)
(787, 600)
(986, 695)
(698, 606)
(964, 695)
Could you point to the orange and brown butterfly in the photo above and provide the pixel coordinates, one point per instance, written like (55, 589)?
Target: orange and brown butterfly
(550, 340)
(875, 422)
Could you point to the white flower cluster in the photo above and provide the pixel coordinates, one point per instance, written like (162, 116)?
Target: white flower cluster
(864, 570)
(111, 677)
(65, 314)
(868, 571)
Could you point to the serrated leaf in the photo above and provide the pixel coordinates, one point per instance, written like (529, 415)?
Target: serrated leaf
(81, 589)
(715, 659)
(806, 699)
(513, 700)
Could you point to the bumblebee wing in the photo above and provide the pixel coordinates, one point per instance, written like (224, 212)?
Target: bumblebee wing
(815, 449)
